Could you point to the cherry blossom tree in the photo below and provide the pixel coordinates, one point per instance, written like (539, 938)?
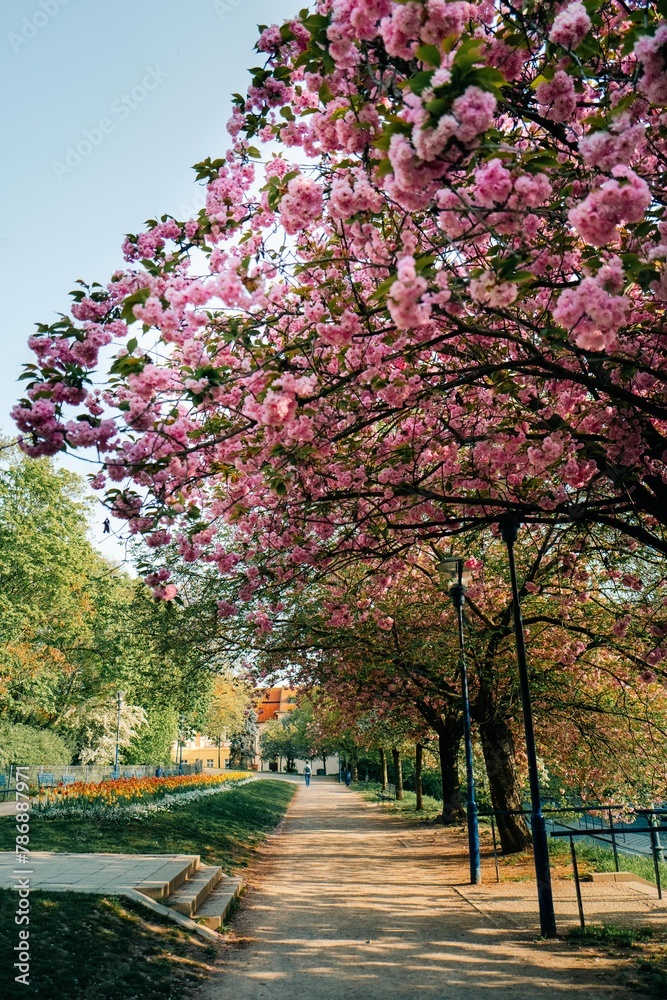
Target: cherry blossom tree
(439, 300)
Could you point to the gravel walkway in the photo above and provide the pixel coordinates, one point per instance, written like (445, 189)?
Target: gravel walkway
(345, 902)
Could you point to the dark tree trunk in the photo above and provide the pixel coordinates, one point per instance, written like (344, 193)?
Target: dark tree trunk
(355, 772)
(448, 724)
(448, 747)
(324, 762)
(419, 757)
(500, 760)
(383, 762)
(398, 772)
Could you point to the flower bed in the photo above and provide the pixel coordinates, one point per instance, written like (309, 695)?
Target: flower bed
(131, 796)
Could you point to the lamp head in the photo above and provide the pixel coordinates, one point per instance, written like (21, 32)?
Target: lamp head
(453, 572)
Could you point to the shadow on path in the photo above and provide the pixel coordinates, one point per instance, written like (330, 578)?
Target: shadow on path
(345, 903)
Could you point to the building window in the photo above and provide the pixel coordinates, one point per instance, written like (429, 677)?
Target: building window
(209, 763)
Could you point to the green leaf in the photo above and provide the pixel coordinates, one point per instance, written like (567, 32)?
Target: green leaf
(429, 54)
(138, 298)
(420, 82)
(468, 54)
(384, 168)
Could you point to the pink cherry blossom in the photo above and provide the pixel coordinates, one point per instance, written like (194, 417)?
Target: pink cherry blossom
(623, 198)
(570, 26)
(557, 97)
(301, 205)
(650, 51)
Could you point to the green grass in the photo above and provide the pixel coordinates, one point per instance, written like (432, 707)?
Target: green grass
(611, 934)
(84, 946)
(406, 806)
(592, 857)
(645, 947)
(223, 828)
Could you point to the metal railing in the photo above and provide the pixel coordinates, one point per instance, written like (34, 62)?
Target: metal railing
(94, 774)
(641, 837)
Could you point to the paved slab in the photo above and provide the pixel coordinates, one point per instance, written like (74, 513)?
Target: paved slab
(103, 873)
(348, 904)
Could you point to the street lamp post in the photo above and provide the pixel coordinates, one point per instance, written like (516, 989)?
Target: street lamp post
(510, 531)
(119, 704)
(453, 571)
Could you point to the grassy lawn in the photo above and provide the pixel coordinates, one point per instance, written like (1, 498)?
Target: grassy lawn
(84, 945)
(223, 828)
(642, 950)
(590, 858)
(405, 808)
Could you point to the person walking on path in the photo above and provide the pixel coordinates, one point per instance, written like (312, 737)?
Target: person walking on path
(348, 777)
(306, 774)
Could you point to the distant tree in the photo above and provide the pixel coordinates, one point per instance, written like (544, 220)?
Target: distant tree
(21, 744)
(154, 741)
(289, 737)
(101, 730)
(227, 711)
(243, 743)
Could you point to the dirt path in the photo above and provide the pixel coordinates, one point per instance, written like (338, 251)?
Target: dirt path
(342, 904)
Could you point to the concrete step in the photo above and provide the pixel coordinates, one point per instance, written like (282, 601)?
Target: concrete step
(170, 877)
(198, 887)
(213, 911)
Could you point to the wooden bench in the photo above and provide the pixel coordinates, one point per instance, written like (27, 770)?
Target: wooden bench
(68, 779)
(46, 781)
(387, 794)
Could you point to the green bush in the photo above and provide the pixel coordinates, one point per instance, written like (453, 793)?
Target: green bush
(21, 744)
(153, 742)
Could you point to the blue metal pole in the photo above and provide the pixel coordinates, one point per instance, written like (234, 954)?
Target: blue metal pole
(510, 533)
(457, 592)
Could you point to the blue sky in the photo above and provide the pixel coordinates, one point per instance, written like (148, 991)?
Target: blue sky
(104, 107)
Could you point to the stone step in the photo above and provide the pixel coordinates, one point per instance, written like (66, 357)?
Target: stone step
(165, 881)
(213, 911)
(198, 887)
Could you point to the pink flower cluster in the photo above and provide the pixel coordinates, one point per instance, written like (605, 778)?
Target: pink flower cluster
(400, 31)
(570, 26)
(351, 194)
(493, 183)
(444, 19)
(606, 150)
(40, 420)
(301, 205)
(340, 334)
(652, 54)
(353, 20)
(487, 290)
(475, 110)
(405, 297)
(557, 98)
(591, 312)
(226, 194)
(623, 198)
